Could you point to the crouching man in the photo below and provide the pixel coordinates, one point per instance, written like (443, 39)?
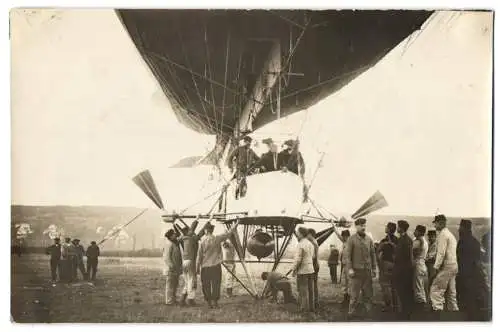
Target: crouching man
(279, 283)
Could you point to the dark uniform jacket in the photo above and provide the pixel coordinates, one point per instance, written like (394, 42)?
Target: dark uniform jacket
(244, 157)
(292, 161)
(269, 162)
(387, 248)
(403, 261)
(93, 252)
(54, 251)
(333, 259)
(468, 255)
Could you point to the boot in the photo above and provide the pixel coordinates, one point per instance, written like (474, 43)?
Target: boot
(229, 292)
(183, 299)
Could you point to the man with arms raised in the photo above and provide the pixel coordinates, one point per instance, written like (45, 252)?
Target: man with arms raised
(209, 262)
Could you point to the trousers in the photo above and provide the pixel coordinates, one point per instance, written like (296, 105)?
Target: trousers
(189, 275)
(92, 267)
(404, 287)
(171, 285)
(78, 265)
(387, 286)
(211, 281)
(443, 289)
(305, 288)
(361, 290)
(333, 272)
(229, 278)
(55, 269)
(420, 282)
(344, 280)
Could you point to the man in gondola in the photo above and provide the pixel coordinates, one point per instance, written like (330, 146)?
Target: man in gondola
(269, 161)
(242, 161)
(290, 159)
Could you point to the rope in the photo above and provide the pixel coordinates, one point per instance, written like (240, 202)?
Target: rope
(120, 229)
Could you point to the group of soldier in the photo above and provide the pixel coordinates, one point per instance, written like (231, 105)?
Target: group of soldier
(67, 258)
(244, 161)
(187, 254)
(416, 274)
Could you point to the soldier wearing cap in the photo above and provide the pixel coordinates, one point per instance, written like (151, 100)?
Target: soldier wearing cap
(420, 249)
(67, 260)
(269, 161)
(242, 161)
(385, 255)
(443, 287)
(470, 285)
(303, 269)
(55, 258)
(403, 270)
(209, 262)
(78, 264)
(172, 270)
(92, 254)
(290, 159)
(431, 253)
(361, 264)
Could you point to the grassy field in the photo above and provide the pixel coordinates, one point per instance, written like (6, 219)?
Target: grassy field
(132, 290)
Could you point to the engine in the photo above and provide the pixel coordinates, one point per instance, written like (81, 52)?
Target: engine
(261, 244)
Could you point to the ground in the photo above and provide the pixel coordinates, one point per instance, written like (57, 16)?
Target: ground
(132, 290)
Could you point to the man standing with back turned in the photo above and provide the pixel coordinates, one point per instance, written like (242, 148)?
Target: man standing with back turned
(209, 263)
(403, 270)
(361, 263)
(93, 253)
(445, 267)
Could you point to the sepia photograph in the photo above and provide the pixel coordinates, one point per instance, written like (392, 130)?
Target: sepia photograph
(251, 165)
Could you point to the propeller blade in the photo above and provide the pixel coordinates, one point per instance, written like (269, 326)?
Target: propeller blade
(374, 203)
(145, 181)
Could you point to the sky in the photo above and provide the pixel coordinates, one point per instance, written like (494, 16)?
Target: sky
(87, 115)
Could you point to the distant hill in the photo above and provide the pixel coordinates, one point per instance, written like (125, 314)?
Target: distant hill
(83, 222)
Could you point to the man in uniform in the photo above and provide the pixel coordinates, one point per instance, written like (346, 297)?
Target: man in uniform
(386, 254)
(279, 283)
(190, 242)
(55, 258)
(333, 262)
(420, 249)
(67, 260)
(269, 161)
(242, 160)
(92, 253)
(290, 159)
(361, 263)
(172, 260)
(431, 254)
(78, 265)
(209, 262)
(443, 288)
(470, 286)
(403, 270)
(344, 276)
(303, 270)
(311, 236)
(228, 254)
